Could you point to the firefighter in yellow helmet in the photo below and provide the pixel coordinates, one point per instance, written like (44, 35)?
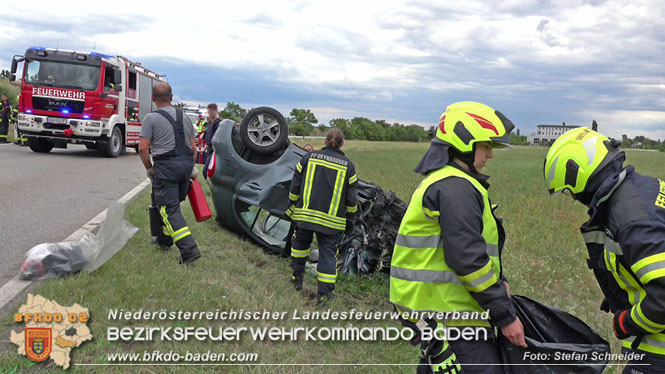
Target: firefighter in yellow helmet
(625, 237)
(447, 253)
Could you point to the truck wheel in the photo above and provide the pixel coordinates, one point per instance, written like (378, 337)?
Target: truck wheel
(40, 145)
(91, 145)
(114, 146)
(264, 130)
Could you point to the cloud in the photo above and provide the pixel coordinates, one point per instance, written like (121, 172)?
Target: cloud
(537, 61)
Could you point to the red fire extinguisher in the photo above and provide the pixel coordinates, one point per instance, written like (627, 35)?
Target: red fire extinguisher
(198, 201)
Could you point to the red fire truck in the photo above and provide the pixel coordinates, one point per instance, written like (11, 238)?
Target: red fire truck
(93, 99)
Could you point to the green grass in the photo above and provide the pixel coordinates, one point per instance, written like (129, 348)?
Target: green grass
(544, 258)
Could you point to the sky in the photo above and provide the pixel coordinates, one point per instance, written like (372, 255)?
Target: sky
(537, 61)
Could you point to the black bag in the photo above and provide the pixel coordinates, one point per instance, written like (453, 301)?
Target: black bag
(559, 343)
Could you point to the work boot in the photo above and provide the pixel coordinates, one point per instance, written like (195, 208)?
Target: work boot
(189, 259)
(161, 243)
(323, 300)
(297, 281)
(189, 256)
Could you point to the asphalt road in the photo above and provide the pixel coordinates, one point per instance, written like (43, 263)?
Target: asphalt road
(46, 197)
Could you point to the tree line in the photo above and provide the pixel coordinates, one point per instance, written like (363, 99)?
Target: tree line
(302, 122)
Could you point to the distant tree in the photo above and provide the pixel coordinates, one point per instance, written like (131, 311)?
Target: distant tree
(233, 111)
(518, 132)
(297, 129)
(304, 117)
(516, 139)
(594, 125)
(342, 124)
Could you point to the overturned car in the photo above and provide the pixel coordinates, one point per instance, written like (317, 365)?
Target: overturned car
(250, 175)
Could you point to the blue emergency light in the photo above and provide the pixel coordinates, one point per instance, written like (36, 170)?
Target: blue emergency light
(65, 111)
(85, 116)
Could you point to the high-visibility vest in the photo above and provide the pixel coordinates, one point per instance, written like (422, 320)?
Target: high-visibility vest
(420, 279)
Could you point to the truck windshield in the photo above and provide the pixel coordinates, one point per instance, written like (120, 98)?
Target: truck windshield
(62, 74)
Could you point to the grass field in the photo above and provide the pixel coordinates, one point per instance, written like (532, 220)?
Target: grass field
(544, 258)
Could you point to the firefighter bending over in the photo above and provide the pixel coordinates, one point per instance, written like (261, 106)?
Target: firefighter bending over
(323, 201)
(447, 253)
(625, 237)
(169, 136)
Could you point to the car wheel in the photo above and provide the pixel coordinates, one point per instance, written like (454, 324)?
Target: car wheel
(114, 146)
(40, 145)
(264, 130)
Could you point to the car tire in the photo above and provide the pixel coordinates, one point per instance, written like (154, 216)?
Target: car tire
(264, 130)
(91, 145)
(115, 145)
(40, 145)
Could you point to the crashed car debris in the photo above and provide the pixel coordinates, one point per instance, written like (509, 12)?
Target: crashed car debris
(250, 174)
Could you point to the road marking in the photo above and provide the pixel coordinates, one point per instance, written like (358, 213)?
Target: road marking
(15, 285)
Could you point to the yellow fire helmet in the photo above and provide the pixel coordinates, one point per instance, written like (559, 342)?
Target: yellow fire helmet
(465, 123)
(575, 157)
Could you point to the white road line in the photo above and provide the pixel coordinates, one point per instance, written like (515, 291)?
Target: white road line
(15, 285)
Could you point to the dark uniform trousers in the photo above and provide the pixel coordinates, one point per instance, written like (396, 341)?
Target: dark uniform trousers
(327, 265)
(4, 124)
(171, 184)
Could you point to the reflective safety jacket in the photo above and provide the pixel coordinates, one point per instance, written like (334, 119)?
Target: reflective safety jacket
(323, 191)
(437, 268)
(625, 237)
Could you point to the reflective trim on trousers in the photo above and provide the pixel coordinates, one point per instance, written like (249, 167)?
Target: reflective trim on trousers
(327, 278)
(300, 253)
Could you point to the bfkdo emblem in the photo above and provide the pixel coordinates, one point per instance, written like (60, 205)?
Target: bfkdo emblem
(38, 343)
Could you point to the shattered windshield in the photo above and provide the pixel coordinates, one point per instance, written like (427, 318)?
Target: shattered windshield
(62, 74)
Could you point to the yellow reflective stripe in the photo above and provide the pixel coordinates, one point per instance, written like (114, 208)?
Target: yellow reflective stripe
(624, 279)
(181, 230)
(328, 164)
(650, 343)
(305, 218)
(300, 253)
(481, 279)
(352, 209)
(353, 179)
(327, 278)
(165, 219)
(299, 167)
(311, 168)
(337, 193)
(321, 215)
(183, 235)
(650, 268)
(638, 316)
(293, 197)
(165, 231)
(431, 214)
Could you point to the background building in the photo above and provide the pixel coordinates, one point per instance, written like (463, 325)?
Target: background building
(548, 133)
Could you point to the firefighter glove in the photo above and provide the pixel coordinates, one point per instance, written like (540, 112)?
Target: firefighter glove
(624, 326)
(195, 172)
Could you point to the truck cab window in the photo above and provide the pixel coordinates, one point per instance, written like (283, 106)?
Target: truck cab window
(108, 79)
(131, 81)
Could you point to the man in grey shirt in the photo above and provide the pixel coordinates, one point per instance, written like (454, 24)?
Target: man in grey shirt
(170, 137)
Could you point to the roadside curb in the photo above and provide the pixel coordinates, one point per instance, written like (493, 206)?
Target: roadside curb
(16, 285)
